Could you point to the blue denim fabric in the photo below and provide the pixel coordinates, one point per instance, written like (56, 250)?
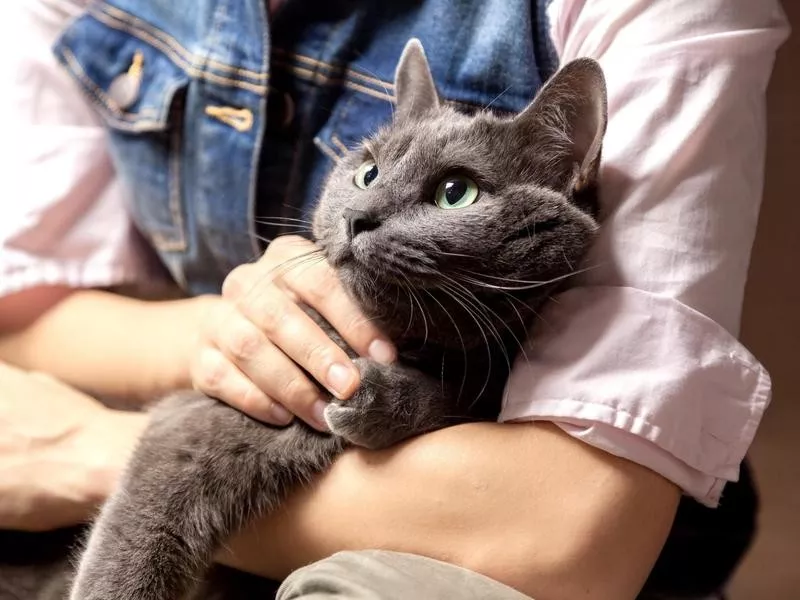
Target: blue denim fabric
(238, 115)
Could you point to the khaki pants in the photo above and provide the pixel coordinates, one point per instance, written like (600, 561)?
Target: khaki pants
(381, 575)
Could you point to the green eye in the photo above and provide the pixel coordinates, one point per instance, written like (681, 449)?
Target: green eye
(456, 192)
(366, 174)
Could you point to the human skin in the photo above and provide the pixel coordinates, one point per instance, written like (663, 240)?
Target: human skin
(560, 520)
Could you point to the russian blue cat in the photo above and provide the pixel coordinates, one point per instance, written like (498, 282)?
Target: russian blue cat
(449, 230)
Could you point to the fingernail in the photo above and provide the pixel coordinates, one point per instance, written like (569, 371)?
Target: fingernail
(340, 379)
(318, 412)
(280, 414)
(382, 352)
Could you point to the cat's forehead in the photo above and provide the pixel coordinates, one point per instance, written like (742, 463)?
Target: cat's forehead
(439, 134)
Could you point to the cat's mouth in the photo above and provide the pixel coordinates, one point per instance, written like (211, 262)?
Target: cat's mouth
(341, 256)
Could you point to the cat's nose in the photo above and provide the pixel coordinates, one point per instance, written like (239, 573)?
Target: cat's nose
(359, 221)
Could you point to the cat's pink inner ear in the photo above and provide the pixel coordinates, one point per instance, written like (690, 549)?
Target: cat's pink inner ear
(571, 110)
(415, 90)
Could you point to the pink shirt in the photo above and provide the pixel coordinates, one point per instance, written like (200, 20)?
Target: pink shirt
(641, 357)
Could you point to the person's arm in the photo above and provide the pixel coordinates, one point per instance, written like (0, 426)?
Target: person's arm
(660, 379)
(524, 504)
(101, 342)
(61, 451)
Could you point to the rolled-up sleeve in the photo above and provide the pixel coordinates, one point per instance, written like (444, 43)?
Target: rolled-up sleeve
(640, 358)
(63, 219)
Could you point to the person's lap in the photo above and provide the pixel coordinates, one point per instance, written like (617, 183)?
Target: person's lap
(384, 575)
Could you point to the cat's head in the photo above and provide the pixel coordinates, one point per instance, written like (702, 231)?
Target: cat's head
(443, 212)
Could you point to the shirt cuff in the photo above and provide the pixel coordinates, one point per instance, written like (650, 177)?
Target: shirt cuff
(646, 378)
(14, 279)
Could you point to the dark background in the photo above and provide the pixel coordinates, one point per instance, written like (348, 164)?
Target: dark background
(771, 330)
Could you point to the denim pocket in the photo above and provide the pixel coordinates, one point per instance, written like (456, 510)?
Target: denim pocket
(357, 115)
(361, 111)
(138, 91)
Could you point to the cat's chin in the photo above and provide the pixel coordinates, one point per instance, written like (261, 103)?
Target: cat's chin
(357, 282)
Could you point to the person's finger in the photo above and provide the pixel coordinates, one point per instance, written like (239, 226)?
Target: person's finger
(317, 284)
(266, 365)
(240, 281)
(287, 326)
(214, 375)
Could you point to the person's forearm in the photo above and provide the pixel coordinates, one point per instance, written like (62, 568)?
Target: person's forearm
(525, 504)
(61, 451)
(110, 345)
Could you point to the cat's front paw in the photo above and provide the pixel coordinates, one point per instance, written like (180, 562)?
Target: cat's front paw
(390, 405)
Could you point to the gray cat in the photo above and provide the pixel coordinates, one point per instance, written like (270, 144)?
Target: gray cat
(449, 230)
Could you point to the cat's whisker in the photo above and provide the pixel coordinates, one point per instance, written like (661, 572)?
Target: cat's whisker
(510, 299)
(411, 305)
(463, 348)
(532, 234)
(312, 256)
(470, 297)
(566, 260)
(529, 286)
(421, 309)
(480, 310)
(456, 254)
(471, 314)
(294, 208)
(483, 306)
(279, 219)
(541, 318)
(500, 278)
(496, 98)
(268, 241)
(385, 87)
(295, 227)
(271, 274)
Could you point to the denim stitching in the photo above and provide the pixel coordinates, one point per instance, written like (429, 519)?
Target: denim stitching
(320, 79)
(191, 68)
(327, 150)
(102, 101)
(175, 204)
(348, 71)
(305, 129)
(127, 18)
(369, 91)
(339, 144)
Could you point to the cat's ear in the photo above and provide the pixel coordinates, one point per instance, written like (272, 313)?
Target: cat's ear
(414, 88)
(570, 112)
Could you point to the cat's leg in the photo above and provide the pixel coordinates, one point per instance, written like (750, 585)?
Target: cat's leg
(201, 471)
(394, 402)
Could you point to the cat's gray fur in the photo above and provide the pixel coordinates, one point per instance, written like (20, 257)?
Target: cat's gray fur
(453, 288)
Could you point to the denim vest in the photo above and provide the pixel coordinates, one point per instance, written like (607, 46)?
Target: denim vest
(218, 115)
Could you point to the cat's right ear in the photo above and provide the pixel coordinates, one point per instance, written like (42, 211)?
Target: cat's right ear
(414, 88)
(569, 114)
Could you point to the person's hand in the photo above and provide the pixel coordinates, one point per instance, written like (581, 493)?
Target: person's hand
(259, 351)
(61, 452)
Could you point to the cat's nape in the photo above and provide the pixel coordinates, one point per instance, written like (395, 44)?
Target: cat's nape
(448, 230)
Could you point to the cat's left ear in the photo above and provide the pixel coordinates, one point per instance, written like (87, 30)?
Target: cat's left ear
(570, 115)
(414, 88)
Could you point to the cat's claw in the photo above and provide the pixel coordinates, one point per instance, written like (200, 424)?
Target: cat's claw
(393, 403)
(343, 421)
